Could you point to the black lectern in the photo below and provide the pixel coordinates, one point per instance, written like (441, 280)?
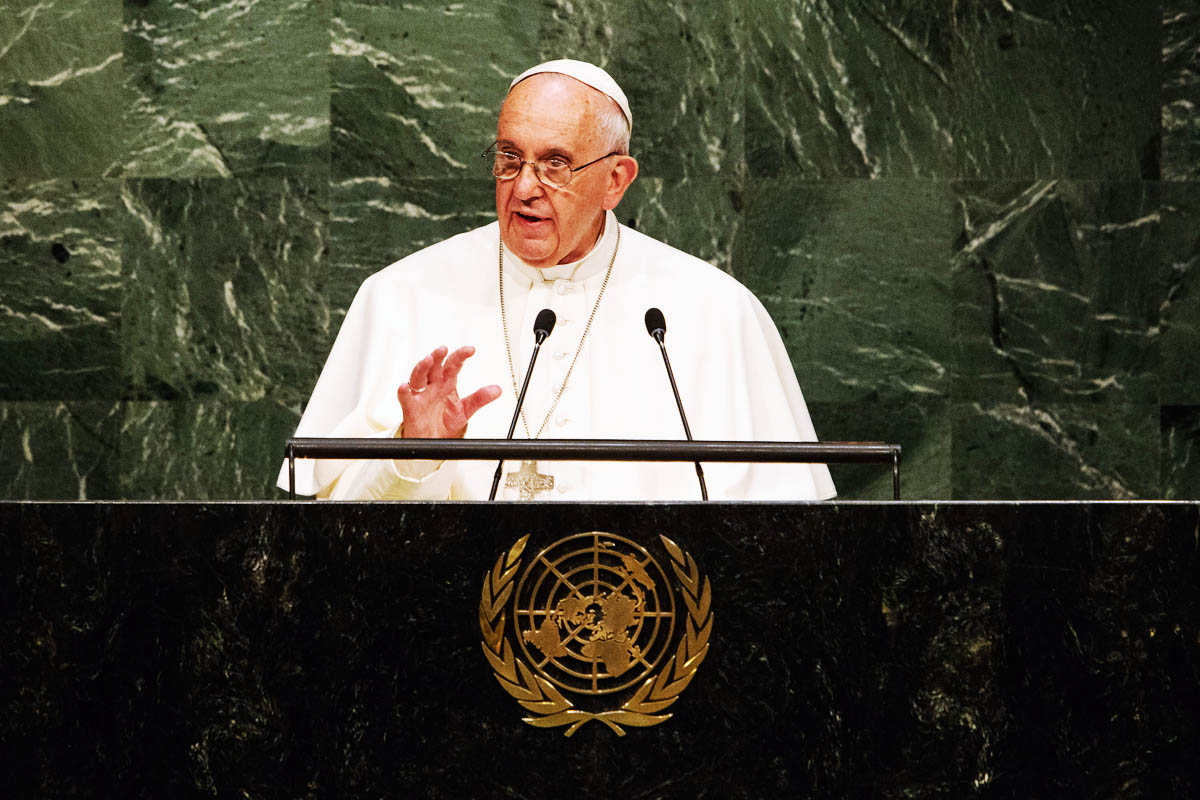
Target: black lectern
(733, 650)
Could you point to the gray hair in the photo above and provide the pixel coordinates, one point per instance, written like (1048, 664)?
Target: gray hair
(613, 127)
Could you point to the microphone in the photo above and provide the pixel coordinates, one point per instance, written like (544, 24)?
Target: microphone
(656, 326)
(542, 327)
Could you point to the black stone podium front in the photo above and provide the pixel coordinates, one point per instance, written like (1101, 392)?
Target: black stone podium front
(853, 650)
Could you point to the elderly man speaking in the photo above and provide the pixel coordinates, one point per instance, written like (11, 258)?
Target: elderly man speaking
(561, 165)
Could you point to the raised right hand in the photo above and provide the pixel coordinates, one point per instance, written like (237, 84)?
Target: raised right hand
(430, 402)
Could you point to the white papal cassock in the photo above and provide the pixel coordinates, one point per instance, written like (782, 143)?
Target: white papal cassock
(734, 375)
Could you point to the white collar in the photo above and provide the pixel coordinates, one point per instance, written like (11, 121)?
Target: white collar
(593, 264)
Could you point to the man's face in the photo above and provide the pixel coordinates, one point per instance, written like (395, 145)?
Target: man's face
(543, 116)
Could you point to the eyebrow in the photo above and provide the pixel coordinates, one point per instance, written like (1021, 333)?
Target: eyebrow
(555, 150)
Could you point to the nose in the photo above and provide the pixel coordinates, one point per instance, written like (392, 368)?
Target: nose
(526, 185)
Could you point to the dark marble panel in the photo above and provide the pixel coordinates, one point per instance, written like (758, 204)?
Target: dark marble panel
(1056, 296)
(920, 424)
(701, 216)
(60, 289)
(1181, 90)
(1054, 88)
(1181, 452)
(58, 451)
(225, 287)
(680, 64)
(210, 450)
(1179, 374)
(1118, 598)
(1051, 452)
(906, 651)
(218, 88)
(850, 89)
(856, 276)
(60, 88)
(417, 86)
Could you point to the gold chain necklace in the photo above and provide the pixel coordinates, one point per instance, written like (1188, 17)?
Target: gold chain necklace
(508, 346)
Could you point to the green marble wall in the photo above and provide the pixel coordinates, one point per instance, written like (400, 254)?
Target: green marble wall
(974, 222)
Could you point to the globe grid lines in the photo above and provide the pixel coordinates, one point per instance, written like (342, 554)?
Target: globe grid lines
(592, 569)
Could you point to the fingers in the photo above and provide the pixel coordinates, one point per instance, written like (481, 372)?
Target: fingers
(423, 373)
(479, 399)
(419, 378)
(435, 370)
(454, 363)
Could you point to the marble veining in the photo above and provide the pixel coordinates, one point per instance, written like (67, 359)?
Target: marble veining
(224, 288)
(60, 291)
(227, 88)
(1181, 450)
(829, 262)
(404, 107)
(969, 220)
(849, 89)
(60, 100)
(692, 90)
(1181, 91)
(1054, 300)
(1179, 248)
(1027, 81)
(211, 449)
(1082, 451)
(58, 451)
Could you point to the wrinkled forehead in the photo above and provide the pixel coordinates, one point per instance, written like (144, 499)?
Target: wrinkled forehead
(552, 106)
(549, 89)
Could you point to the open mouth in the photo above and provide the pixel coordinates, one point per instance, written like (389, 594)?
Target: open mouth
(530, 218)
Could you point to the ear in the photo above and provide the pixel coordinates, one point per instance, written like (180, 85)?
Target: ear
(622, 173)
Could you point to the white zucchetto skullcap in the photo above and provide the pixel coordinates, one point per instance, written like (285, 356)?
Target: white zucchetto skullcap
(583, 72)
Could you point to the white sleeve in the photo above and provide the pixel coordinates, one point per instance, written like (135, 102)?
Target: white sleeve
(387, 479)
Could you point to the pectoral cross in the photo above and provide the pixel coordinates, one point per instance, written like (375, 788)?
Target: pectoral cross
(529, 481)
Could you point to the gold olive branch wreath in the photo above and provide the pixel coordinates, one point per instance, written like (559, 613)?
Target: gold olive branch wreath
(540, 697)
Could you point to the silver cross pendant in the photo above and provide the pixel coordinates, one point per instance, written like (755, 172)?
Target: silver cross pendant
(529, 481)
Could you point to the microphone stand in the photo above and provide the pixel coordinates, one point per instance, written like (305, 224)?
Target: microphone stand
(542, 327)
(658, 331)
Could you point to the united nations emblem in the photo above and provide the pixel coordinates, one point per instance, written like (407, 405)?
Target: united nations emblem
(593, 621)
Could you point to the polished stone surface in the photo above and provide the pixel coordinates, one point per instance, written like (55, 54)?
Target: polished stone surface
(416, 86)
(375, 221)
(1056, 292)
(682, 65)
(61, 103)
(224, 288)
(226, 88)
(884, 650)
(830, 261)
(973, 222)
(1181, 90)
(211, 449)
(1180, 252)
(59, 451)
(60, 291)
(1052, 451)
(1053, 88)
(1181, 451)
(850, 89)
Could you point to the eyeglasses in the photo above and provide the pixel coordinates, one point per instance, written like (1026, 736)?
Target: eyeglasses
(553, 171)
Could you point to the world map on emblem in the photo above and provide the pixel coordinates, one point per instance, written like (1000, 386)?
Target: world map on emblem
(594, 613)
